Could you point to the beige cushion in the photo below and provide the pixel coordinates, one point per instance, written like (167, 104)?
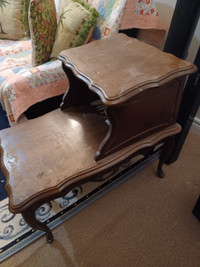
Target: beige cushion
(76, 21)
(11, 26)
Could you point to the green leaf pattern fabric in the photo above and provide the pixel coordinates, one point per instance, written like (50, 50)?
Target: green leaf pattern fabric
(11, 26)
(43, 24)
(25, 8)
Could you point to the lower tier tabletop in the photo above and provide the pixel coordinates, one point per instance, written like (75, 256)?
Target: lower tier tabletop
(44, 156)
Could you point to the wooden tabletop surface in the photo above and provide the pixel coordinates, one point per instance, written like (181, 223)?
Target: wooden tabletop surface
(43, 156)
(121, 66)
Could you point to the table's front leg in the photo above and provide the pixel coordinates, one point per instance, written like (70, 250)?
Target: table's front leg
(33, 222)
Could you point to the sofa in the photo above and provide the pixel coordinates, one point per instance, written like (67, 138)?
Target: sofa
(32, 81)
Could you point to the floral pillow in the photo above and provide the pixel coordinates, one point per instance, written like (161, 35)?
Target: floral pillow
(75, 25)
(42, 24)
(11, 26)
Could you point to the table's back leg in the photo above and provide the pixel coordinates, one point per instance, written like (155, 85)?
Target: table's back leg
(166, 151)
(30, 218)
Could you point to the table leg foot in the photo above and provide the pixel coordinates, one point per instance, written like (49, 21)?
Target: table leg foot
(167, 149)
(30, 218)
(49, 237)
(160, 171)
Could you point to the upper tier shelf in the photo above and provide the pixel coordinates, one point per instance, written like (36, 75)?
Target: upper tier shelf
(120, 67)
(140, 87)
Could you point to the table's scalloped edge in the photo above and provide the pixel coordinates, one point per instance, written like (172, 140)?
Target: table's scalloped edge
(131, 91)
(64, 187)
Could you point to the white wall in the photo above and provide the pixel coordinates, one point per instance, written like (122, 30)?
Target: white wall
(165, 10)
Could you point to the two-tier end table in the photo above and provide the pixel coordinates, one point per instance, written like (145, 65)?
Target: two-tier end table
(123, 100)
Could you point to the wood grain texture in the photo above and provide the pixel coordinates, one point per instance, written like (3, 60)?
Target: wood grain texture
(120, 67)
(141, 87)
(122, 101)
(40, 164)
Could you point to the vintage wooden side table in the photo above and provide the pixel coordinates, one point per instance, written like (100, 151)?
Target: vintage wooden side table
(123, 100)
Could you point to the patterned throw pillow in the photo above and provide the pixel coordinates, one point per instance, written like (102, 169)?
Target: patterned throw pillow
(111, 13)
(11, 26)
(42, 24)
(75, 25)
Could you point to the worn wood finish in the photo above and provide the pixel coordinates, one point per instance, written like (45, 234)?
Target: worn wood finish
(141, 88)
(120, 67)
(46, 154)
(138, 95)
(39, 171)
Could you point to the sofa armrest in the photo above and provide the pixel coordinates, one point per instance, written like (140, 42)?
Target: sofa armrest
(28, 87)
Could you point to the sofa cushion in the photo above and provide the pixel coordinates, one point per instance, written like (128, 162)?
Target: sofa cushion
(27, 87)
(42, 24)
(11, 26)
(15, 56)
(77, 19)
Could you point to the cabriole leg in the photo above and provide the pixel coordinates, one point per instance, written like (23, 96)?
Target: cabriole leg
(167, 149)
(30, 218)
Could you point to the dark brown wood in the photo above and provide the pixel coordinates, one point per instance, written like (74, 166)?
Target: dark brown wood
(79, 94)
(166, 151)
(103, 116)
(141, 89)
(142, 115)
(29, 217)
(50, 169)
